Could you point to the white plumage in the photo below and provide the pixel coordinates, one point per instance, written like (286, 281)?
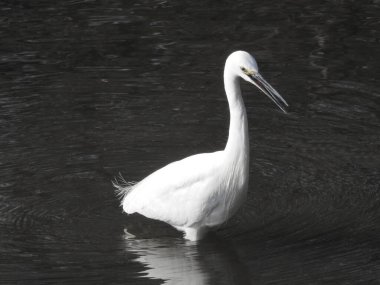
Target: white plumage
(204, 190)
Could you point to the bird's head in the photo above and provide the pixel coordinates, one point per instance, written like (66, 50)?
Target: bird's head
(245, 66)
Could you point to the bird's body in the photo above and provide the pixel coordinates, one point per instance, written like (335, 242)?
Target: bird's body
(204, 190)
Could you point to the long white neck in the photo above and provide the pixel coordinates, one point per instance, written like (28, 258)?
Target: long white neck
(237, 146)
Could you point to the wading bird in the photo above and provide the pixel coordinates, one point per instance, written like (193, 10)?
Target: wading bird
(204, 190)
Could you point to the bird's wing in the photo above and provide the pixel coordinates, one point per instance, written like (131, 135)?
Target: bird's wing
(180, 193)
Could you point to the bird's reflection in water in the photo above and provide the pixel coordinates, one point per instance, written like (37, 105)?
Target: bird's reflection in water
(177, 261)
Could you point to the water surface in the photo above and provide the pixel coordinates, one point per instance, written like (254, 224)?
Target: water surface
(89, 89)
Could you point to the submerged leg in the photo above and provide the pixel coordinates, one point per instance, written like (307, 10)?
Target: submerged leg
(194, 234)
(128, 235)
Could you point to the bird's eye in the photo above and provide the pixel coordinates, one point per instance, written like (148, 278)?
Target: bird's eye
(246, 71)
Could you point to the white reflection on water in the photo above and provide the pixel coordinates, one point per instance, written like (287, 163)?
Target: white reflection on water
(174, 261)
(183, 262)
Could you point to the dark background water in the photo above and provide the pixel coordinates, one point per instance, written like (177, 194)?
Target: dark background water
(89, 89)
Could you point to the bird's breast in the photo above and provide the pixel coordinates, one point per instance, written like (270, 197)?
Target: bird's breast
(230, 195)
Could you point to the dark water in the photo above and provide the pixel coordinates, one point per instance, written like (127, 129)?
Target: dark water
(89, 89)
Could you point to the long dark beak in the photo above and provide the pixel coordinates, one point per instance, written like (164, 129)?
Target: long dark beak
(268, 90)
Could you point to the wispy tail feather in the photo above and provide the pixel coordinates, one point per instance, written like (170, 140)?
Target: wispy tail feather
(122, 187)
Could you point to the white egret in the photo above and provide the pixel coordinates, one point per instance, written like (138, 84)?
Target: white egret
(204, 190)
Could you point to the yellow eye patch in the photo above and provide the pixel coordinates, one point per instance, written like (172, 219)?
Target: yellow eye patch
(246, 71)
